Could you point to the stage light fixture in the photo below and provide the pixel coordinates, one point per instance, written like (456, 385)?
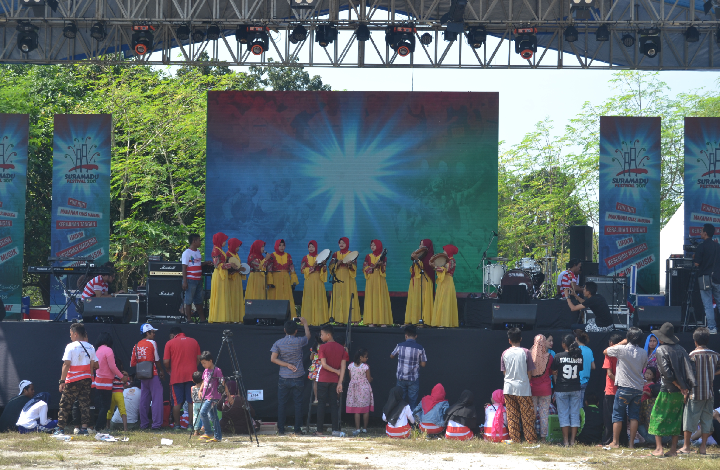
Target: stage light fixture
(692, 34)
(40, 3)
(257, 39)
(454, 18)
(308, 4)
(98, 32)
(571, 34)
(628, 40)
(362, 33)
(426, 39)
(650, 45)
(325, 34)
(476, 37)
(525, 42)
(582, 9)
(27, 37)
(299, 34)
(70, 30)
(213, 32)
(450, 36)
(142, 38)
(241, 33)
(401, 38)
(602, 33)
(198, 35)
(183, 32)
(707, 6)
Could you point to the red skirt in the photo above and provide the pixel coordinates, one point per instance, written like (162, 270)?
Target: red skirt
(430, 428)
(490, 436)
(402, 432)
(462, 433)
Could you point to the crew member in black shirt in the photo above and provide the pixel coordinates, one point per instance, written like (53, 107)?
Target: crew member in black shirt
(593, 301)
(707, 260)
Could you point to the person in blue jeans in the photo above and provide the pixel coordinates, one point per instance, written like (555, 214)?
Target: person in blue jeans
(212, 378)
(288, 354)
(411, 356)
(566, 368)
(707, 260)
(631, 362)
(192, 282)
(583, 339)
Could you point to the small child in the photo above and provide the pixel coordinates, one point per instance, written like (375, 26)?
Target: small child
(651, 377)
(496, 418)
(431, 411)
(566, 368)
(315, 365)
(118, 401)
(212, 378)
(397, 414)
(516, 363)
(196, 393)
(359, 394)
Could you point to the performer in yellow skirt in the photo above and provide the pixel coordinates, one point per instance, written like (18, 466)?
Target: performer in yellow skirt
(281, 275)
(445, 311)
(421, 285)
(314, 303)
(219, 287)
(340, 301)
(377, 297)
(256, 282)
(235, 281)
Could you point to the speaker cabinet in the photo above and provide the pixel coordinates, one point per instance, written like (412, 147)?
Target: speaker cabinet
(506, 316)
(652, 318)
(588, 269)
(106, 310)
(266, 312)
(581, 238)
(164, 296)
(677, 283)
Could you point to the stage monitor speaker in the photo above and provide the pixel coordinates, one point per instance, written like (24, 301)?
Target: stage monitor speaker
(581, 242)
(506, 316)
(164, 296)
(652, 318)
(106, 310)
(588, 269)
(677, 281)
(266, 312)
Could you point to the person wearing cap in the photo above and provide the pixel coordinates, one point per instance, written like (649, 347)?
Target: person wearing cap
(678, 377)
(14, 407)
(150, 389)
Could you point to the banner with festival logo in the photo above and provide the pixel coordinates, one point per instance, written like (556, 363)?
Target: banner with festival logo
(630, 199)
(14, 130)
(702, 176)
(81, 194)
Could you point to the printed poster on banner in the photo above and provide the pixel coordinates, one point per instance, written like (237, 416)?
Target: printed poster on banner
(702, 176)
(81, 194)
(630, 199)
(13, 181)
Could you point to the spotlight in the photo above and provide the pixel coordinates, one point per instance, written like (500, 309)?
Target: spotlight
(98, 32)
(571, 34)
(401, 38)
(628, 40)
(476, 37)
(362, 33)
(142, 38)
(70, 30)
(257, 39)
(309, 4)
(602, 33)
(325, 34)
(299, 34)
(582, 9)
(183, 32)
(426, 39)
(707, 6)
(692, 34)
(650, 45)
(40, 3)
(213, 32)
(198, 35)
(450, 36)
(454, 18)
(27, 37)
(525, 42)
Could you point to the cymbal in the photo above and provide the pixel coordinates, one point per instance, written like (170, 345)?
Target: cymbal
(498, 258)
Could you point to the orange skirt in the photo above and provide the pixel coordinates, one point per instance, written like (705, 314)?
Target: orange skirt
(403, 432)
(462, 433)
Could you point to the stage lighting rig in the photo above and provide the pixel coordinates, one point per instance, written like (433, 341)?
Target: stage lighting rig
(450, 36)
(401, 38)
(307, 4)
(582, 9)
(426, 39)
(213, 32)
(98, 32)
(34, 4)
(476, 36)
(602, 33)
(707, 6)
(571, 34)
(183, 32)
(142, 38)
(27, 37)
(241, 33)
(299, 34)
(692, 34)
(325, 34)
(70, 30)
(362, 33)
(454, 18)
(650, 43)
(628, 40)
(198, 35)
(525, 42)
(257, 39)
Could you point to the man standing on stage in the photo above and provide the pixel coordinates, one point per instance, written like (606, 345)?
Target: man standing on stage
(192, 282)
(707, 260)
(568, 279)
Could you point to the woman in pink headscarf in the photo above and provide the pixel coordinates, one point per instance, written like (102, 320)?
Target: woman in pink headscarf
(422, 285)
(219, 287)
(496, 429)
(540, 381)
(377, 297)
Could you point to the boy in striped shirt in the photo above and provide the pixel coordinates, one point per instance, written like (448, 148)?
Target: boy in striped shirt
(192, 283)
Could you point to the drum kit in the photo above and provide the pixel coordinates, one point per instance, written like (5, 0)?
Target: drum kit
(527, 272)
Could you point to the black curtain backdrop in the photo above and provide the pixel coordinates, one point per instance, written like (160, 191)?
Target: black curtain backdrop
(458, 358)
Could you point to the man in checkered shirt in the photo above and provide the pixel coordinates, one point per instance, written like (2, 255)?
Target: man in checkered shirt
(411, 356)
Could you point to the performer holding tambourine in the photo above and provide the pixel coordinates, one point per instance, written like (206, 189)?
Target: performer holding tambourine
(236, 276)
(377, 298)
(219, 287)
(420, 292)
(281, 275)
(445, 311)
(314, 303)
(256, 280)
(345, 269)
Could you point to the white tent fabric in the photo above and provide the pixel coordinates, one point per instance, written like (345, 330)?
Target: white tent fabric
(671, 240)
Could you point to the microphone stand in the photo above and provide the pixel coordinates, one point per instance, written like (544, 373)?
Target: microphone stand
(482, 262)
(333, 280)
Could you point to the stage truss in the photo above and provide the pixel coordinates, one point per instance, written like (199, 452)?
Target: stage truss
(499, 17)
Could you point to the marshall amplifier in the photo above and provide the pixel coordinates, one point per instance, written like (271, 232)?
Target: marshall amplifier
(164, 296)
(164, 268)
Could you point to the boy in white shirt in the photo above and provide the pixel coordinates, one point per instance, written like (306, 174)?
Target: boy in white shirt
(33, 416)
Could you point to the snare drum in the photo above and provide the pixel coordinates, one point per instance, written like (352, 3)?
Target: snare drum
(528, 264)
(493, 274)
(517, 277)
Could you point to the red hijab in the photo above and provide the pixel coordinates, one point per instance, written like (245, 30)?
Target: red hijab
(437, 396)
(313, 243)
(347, 244)
(430, 273)
(234, 245)
(451, 250)
(277, 245)
(256, 250)
(378, 247)
(219, 240)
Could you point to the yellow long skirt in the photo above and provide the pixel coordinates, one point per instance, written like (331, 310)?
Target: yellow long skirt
(220, 297)
(445, 311)
(314, 303)
(255, 289)
(377, 301)
(340, 301)
(412, 311)
(282, 289)
(237, 302)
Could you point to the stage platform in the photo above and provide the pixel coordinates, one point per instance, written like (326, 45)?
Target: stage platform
(460, 358)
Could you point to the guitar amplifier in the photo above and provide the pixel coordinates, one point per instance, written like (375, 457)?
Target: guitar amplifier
(164, 268)
(164, 296)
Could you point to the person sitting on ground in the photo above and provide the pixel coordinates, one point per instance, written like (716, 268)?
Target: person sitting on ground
(496, 429)
(14, 407)
(431, 411)
(33, 417)
(462, 418)
(397, 414)
(593, 429)
(131, 403)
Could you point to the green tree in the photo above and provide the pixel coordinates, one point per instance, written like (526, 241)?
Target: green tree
(281, 78)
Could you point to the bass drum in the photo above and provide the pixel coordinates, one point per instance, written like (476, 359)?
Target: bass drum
(493, 274)
(517, 277)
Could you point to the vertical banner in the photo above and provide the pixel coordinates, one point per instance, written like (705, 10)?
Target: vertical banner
(702, 175)
(630, 199)
(81, 193)
(14, 130)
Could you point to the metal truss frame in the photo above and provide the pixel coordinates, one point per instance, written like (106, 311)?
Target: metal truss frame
(499, 17)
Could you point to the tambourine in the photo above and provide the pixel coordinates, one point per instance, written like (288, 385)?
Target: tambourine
(236, 263)
(419, 253)
(350, 257)
(439, 260)
(322, 257)
(245, 269)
